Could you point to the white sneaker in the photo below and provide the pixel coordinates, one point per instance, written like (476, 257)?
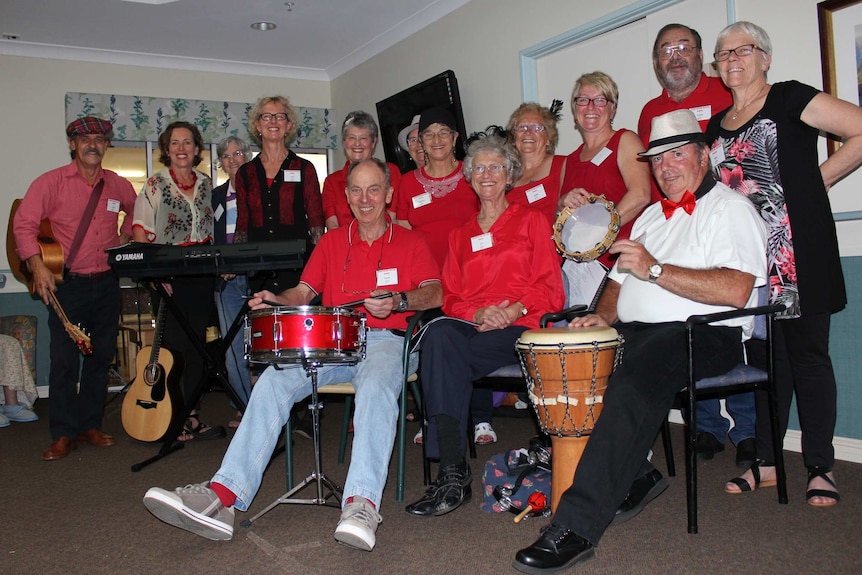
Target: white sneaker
(195, 508)
(19, 413)
(358, 524)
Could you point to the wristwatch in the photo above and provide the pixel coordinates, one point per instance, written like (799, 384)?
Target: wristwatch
(402, 305)
(655, 272)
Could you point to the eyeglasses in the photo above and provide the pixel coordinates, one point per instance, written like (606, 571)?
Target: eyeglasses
(744, 50)
(267, 117)
(493, 168)
(413, 141)
(684, 50)
(442, 134)
(238, 155)
(353, 140)
(599, 102)
(524, 128)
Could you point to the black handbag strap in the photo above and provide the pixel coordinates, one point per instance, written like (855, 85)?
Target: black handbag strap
(85, 223)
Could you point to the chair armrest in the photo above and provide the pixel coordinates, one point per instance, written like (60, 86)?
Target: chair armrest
(694, 320)
(567, 314)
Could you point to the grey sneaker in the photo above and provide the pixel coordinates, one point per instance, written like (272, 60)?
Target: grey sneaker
(195, 508)
(358, 524)
(4, 421)
(19, 413)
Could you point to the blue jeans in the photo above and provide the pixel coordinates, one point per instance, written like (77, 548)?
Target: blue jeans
(741, 408)
(378, 380)
(229, 302)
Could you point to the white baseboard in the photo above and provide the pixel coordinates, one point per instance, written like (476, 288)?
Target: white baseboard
(846, 449)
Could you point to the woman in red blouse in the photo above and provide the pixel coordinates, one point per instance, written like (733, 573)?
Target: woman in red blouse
(501, 275)
(606, 164)
(277, 193)
(435, 199)
(534, 130)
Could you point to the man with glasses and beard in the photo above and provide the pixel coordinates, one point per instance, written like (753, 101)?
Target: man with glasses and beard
(83, 202)
(677, 59)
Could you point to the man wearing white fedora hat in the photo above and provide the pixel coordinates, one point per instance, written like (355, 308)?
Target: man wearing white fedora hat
(701, 250)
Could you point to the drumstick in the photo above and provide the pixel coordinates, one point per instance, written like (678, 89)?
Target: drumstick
(266, 301)
(360, 301)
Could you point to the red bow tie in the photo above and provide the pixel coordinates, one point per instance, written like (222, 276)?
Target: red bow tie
(687, 203)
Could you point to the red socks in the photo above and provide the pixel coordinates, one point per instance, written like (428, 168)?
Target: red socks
(225, 495)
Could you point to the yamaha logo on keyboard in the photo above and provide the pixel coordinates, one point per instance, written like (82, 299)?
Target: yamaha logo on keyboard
(129, 257)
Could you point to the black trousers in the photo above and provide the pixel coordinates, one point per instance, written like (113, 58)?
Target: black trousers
(453, 355)
(639, 395)
(803, 366)
(94, 303)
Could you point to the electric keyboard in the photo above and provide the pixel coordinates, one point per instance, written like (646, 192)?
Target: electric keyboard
(138, 261)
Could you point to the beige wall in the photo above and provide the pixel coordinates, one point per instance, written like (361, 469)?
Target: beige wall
(480, 42)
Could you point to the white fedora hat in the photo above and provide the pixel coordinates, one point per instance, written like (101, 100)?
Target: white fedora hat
(673, 130)
(402, 135)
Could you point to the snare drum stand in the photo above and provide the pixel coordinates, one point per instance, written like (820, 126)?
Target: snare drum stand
(316, 475)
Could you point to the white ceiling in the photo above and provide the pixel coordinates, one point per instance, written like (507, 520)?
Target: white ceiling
(316, 40)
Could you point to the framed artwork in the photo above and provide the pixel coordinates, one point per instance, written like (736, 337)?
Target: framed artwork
(841, 52)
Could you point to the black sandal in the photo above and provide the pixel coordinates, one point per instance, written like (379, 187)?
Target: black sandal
(745, 486)
(201, 430)
(834, 496)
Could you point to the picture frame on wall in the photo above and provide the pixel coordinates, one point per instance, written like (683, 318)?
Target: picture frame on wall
(840, 23)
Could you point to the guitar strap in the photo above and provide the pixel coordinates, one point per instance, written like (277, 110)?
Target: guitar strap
(85, 223)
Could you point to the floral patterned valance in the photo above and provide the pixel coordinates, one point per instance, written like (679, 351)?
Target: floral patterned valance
(142, 119)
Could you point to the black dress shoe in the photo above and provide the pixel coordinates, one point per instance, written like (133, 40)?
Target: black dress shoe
(447, 494)
(644, 489)
(708, 445)
(746, 453)
(556, 549)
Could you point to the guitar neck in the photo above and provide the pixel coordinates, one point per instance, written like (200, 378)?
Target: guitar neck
(81, 339)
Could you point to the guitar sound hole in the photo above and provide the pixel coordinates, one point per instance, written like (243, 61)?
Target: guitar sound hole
(152, 374)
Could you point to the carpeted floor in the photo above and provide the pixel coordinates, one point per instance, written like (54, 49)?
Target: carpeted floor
(83, 515)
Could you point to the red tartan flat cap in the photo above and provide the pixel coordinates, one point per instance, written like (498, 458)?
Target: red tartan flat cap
(88, 125)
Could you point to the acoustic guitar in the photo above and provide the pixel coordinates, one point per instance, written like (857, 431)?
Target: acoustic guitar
(53, 258)
(154, 399)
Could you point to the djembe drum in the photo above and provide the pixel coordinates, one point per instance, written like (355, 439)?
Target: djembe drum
(567, 371)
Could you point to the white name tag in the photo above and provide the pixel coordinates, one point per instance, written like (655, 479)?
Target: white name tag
(716, 155)
(114, 206)
(481, 242)
(387, 277)
(422, 199)
(601, 156)
(702, 112)
(219, 212)
(292, 176)
(536, 193)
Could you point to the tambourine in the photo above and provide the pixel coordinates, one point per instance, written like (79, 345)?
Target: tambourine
(584, 233)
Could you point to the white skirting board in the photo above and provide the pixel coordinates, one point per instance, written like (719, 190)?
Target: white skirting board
(846, 449)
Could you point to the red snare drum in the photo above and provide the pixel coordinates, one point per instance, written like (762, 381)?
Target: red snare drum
(293, 334)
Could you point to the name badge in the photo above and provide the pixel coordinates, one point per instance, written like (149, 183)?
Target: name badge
(422, 199)
(481, 242)
(601, 156)
(292, 176)
(114, 206)
(387, 277)
(702, 112)
(219, 212)
(716, 154)
(536, 193)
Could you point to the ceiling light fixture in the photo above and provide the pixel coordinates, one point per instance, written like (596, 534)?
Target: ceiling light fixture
(263, 26)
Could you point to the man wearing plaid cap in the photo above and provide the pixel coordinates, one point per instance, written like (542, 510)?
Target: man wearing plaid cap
(89, 293)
